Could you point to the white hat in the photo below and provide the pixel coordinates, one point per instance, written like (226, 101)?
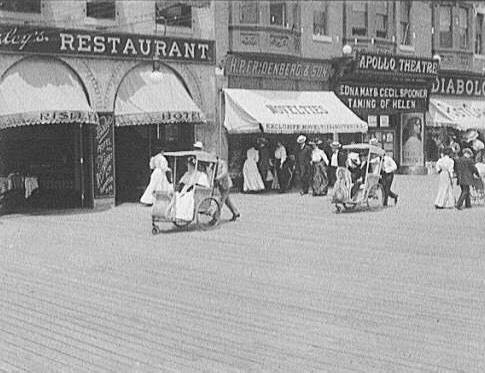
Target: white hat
(471, 135)
(354, 158)
(198, 145)
(301, 139)
(374, 142)
(335, 145)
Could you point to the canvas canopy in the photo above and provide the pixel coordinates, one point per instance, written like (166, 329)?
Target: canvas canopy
(289, 112)
(462, 114)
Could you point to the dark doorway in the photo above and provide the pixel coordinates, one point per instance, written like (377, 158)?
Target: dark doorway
(134, 145)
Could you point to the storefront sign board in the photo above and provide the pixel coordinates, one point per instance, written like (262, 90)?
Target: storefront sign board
(455, 85)
(271, 67)
(383, 98)
(53, 41)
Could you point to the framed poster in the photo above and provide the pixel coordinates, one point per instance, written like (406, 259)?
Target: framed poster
(384, 120)
(372, 120)
(412, 151)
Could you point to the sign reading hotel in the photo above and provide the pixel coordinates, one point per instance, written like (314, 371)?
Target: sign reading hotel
(382, 98)
(40, 40)
(392, 64)
(266, 67)
(456, 85)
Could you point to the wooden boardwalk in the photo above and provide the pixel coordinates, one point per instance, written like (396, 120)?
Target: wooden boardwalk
(291, 287)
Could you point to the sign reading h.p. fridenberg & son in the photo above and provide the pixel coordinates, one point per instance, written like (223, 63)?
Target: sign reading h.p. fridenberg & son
(40, 40)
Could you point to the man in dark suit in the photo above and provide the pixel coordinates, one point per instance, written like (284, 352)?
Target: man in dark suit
(465, 170)
(303, 163)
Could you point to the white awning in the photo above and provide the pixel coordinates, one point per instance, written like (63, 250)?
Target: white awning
(462, 114)
(42, 91)
(145, 97)
(250, 111)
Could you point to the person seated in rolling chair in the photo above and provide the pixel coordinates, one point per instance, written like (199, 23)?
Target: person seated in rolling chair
(356, 172)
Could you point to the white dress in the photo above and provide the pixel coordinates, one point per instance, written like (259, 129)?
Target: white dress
(445, 197)
(251, 175)
(158, 179)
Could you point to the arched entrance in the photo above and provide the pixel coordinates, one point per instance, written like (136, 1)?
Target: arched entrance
(46, 127)
(153, 112)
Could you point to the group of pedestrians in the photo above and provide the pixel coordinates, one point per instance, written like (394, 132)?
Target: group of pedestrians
(469, 169)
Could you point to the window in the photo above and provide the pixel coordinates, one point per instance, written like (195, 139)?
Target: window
(22, 6)
(463, 27)
(446, 36)
(296, 16)
(277, 14)
(359, 10)
(479, 34)
(382, 18)
(320, 22)
(175, 15)
(249, 12)
(101, 9)
(405, 23)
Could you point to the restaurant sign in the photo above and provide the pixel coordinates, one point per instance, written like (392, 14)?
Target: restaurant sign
(41, 40)
(453, 85)
(392, 64)
(279, 68)
(383, 98)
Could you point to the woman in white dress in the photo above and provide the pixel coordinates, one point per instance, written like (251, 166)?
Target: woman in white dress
(445, 165)
(251, 175)
(158, 179)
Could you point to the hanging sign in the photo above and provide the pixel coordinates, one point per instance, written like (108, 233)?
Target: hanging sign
(42, 40)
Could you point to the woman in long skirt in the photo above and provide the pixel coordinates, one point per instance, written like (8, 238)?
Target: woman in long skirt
(319, 171)
(158, 179)
(445, 165)
(251, 175)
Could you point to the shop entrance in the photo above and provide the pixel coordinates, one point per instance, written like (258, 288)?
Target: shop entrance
(47, 167)
(134, 145)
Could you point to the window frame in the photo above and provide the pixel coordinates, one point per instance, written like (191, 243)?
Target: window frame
(385, 19)
(405, 9)
(325, 22)
(247, 4)
(101, 19)
(479, 34)
(284, 15)
(442, 44)
(465, 29)
(21, 12)
(356, 31)
(159, 9)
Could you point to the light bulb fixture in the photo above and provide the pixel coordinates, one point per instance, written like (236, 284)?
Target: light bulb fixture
(346, 50)
(437, 57)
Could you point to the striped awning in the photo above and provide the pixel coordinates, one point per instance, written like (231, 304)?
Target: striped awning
(43, 91)
(462, 114)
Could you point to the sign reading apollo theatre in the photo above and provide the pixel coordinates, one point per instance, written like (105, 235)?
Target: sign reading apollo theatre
(40, 40)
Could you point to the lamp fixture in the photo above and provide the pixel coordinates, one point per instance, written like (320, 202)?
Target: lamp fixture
(437, 57)
(346, 50)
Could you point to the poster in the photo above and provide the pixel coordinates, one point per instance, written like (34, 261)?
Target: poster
(412, 128)
(372, 120)
(104, 156)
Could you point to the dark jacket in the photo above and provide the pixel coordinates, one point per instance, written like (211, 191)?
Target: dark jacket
(303, 159)
(342, 158)
(465, 169)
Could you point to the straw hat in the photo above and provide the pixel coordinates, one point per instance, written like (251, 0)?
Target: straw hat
(198, 145)
(335, 145)
(467, 151)
(374, 142)
(471, 135)
(301, 139)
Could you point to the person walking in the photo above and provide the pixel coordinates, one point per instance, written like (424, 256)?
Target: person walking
(158, 179)
(319, 170)
(334, 162)
(303, 163)
(279, 160)
(264, 162)
(444, 166)
(388, 169)
(465, 170)
(252, 181)
(224, 183)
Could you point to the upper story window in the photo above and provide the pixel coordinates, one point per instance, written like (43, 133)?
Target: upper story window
(21, 6)
(174, 15)
(405, 22)
(446, 27)
(320, 23)
(463, 27)
(296, 16)
(277, 14)
(479, 34)
(249, 12)
(101, 9)
(382, 19)
(359, 16)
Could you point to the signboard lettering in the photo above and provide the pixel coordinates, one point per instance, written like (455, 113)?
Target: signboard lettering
(397, 64)
(91, 43)
(383, 98)
(454, 85)
(260, 66)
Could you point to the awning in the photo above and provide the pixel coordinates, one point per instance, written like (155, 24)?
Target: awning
(462, 114)
(42, 91)
(145, 97)
(250, 111)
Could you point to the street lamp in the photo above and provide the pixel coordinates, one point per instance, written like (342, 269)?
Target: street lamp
(437, 57)
(347, 50)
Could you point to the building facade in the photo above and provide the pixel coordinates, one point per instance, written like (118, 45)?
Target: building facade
(82, 107)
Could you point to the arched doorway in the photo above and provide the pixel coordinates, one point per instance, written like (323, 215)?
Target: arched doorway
(153, 112)
(46, 129)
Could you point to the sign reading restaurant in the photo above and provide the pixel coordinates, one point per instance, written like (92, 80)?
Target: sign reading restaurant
(277, 67)
(458, 85)
(40, 40)
(407, 65)
(383, 98)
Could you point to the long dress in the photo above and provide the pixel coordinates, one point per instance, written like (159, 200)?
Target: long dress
(279, 160)
(252, 178)
(445, 197)
(319, 172)
(158, 179)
